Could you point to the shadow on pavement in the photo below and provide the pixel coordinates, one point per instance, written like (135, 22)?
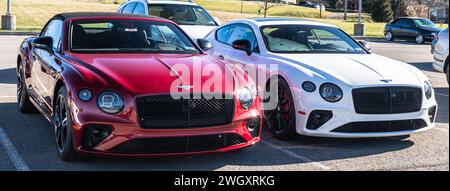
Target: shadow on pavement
(424, 66)
(8, 76)
(403, 42)
(443, 102)
(33, 137)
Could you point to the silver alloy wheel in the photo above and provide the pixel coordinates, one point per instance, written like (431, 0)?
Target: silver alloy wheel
(388, 36)
(419, 39)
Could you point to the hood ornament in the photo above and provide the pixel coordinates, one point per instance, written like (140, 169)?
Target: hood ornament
(386, 80)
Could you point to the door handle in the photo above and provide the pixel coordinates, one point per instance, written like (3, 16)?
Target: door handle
(221, 57)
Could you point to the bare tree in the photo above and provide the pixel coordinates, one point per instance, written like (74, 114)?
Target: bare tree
(267, 4)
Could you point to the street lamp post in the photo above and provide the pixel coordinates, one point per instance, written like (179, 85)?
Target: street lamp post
(359, 27)
(8, 20)
(8, 7)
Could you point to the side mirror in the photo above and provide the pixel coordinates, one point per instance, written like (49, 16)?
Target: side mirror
(365, 44)
(44, 43)
(244, 45)
(205, 45)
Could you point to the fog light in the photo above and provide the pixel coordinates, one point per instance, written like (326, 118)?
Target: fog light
(253, 126)
(318, 118)
(432, 113)
(94, 135)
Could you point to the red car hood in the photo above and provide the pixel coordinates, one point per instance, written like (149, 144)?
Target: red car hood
(142, 74)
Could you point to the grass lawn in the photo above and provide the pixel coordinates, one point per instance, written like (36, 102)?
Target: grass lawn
(32, 14)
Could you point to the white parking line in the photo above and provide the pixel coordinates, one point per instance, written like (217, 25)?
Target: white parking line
(12, 152)
(295, 155)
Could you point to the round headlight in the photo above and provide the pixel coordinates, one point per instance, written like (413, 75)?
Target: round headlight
(246, 98)
(110, 102)
(85, 95)
(331, 92)
(309, 86)
(428, 90)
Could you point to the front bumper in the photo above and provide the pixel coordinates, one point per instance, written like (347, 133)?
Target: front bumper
(129, 139)
(344, 117)
(344, 114)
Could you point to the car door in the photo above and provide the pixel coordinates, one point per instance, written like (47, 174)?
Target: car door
(397, 28)
(49, 63)
(223, 49)
(409, 30)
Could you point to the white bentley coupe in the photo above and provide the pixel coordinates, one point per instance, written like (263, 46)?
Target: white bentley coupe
(329, 85)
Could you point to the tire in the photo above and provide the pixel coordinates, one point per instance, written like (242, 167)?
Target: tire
(23, 99)
(389, 36)
(448, 77)
(281, 121)
(420, 39)
(63, 128)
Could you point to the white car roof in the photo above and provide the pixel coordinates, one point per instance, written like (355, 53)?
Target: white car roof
(281, 21)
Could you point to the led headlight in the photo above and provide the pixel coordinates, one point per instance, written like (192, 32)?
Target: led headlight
(85, 95)
(428, 90)
(110, 102)
(246, 98)
(330, 92)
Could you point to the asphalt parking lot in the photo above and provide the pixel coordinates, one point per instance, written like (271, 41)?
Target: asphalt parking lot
(26, 141)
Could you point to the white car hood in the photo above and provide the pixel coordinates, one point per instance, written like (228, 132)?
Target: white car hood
(358, 70)
(196, 31)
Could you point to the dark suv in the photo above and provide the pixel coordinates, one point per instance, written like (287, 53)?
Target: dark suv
(419, 29)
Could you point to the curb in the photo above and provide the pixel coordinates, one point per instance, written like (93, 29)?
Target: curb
(19, 33)
(368, 38)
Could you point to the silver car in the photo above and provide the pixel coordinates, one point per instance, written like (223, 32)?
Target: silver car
(440, 53)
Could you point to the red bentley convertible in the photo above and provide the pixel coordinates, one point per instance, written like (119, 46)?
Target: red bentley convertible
(106, 83)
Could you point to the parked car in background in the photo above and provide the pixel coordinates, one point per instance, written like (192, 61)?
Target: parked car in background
(312, 5)
(440, 53)
(420, 30)
(329, 85)
(104, 80)
(191, 17)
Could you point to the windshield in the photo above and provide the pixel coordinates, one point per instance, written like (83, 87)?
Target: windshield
(424, 23)
(130, 37)
(309, 39)
(182, 14)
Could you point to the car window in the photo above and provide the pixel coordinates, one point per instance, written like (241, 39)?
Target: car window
(139, 9)
(182, 14)
(128, 36)
(129, 8)
(224, 33)
(400, 22)
(309, 39)
(54, 30)
(424, 23)
(242, 32)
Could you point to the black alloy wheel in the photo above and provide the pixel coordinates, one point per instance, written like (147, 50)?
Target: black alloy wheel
(281, 120)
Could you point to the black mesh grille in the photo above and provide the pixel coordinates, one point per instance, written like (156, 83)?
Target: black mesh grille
(179, 144)
(382, 126)
(164, 112)
(387, 100)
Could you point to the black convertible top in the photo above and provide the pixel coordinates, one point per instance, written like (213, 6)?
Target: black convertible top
(71, 15)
